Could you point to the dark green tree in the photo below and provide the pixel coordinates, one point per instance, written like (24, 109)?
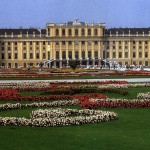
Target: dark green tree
(73, 64)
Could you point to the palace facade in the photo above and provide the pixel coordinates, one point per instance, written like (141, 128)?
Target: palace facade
(91, 44)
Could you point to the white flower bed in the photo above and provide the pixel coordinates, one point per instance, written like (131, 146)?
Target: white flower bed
(17, 85)
(143, 96)
(9, 106)
(61, 117)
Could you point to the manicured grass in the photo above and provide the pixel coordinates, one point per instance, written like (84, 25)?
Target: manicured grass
(130, 131)
(133, 92)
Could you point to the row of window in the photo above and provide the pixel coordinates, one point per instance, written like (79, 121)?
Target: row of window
(126, 55)
(76, 32)
(126, 47)
(76, 42)
(9, 56)
(24, 43)
(126, 42)
(24, 48)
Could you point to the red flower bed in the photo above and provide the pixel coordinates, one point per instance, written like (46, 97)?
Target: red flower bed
(9, 94)
(115, 104)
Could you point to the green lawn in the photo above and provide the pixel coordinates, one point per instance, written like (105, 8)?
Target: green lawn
(133, 92)
(130, 132)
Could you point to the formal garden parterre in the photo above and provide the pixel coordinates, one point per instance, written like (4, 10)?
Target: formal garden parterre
(54, 104)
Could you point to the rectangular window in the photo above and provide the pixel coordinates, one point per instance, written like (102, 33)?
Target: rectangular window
(24, 43)
(44, 56)
(15, 48)
(140, 54)
(16, 55)
(70, 42)
(120, 54)
(30, 48)
(89, 42)
(8, 48)
(146, 63)
(140, 47)
(114, 47)
(3, 56)
(30, 42)
(126, 54)
(3, 48)
(24, 65)
(9, 55)
(134, 54)
(37, 56)
(57, 43)
(140, 62)
(15, 43)
(43, 42)
(24, 55)
(16, 65)
(146, 54)
(83, 42)
(114, 54)
(96, 42)
(63, 42)
(133, 47)
(107, 55)
(76, 42)
(37, 43)
(119, 47)
(126, 47)
(31, 55)
(24, 48)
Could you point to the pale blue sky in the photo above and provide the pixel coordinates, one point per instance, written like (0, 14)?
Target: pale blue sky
(115, 13)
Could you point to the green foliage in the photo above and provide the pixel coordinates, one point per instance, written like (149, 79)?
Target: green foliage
(79, 90)
(73, 64)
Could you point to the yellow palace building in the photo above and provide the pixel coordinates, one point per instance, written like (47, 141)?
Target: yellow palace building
(91, 44)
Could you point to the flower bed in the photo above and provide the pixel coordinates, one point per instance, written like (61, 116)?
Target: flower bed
(59, 117)
(115, 103)
(144, 96)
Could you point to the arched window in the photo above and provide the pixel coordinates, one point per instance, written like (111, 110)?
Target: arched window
(89, 31)
(83, 54)
(70, 32)
(95, 32)
(76, 55)
(63, 32)
(57, 31)
(76, 31)
(89, 54)
(57, 54)
(70, 54)
(96, 54)
(83, 32)
(63, 55)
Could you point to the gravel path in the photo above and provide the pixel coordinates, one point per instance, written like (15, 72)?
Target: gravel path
(79, 80)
